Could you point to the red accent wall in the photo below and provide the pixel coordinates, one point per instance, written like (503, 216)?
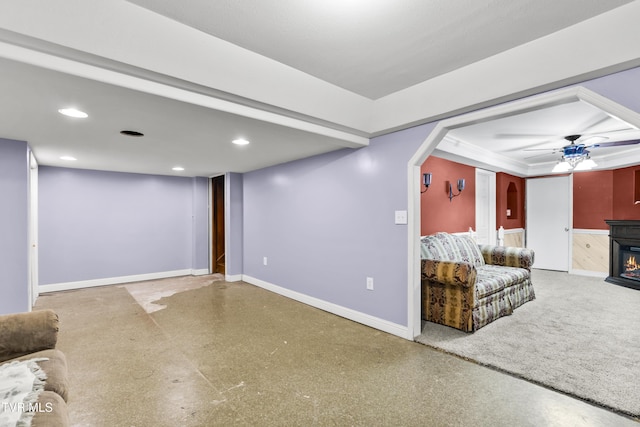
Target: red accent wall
(437, 213)
(624, 188)
(593, 199)
(517, 218)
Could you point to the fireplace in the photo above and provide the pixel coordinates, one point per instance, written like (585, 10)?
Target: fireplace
(624, 253)
(630, 258)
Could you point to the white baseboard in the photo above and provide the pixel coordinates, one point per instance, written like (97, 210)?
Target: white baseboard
(200, 272)
(356, 316)
(66, 286)
(233, 277)
(589, 273)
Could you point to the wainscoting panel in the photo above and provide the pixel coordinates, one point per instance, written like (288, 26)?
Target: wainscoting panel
(591, 251)
(514, 237)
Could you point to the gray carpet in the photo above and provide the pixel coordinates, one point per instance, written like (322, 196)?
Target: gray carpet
(580, 336)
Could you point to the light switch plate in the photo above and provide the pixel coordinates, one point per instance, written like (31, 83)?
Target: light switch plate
(401, 217)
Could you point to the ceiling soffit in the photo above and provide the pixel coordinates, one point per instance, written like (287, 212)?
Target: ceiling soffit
(446, 145)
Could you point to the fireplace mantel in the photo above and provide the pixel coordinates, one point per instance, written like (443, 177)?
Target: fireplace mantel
(623, 234)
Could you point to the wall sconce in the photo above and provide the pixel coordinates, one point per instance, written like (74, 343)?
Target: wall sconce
(460, 188)
(426, 181)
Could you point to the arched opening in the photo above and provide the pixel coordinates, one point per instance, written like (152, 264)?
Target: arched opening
(414, 181)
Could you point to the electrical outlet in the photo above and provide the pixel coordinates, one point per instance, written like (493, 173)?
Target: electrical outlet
(370, 283)
(264, 261)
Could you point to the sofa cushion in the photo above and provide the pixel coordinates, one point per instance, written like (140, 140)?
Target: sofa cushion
(449, 247)
(493, 278)
(51, 411)
(24, 333)
(55, 367)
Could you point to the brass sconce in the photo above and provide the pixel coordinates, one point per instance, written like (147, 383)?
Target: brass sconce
(426, 181)
(460, 188)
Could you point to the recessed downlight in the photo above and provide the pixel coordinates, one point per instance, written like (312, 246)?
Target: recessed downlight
(177, 168)
(240, 141)
(73, 112)
(68, 158)
(133, 133)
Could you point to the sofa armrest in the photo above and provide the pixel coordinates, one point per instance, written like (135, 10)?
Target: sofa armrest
(508, 256)
(25, 333)
(449, 272)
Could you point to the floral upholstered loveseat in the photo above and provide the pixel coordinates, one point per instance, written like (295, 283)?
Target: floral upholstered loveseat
(467, 286)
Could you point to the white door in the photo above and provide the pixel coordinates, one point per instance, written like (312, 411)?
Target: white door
(549, 221)
(485, 207)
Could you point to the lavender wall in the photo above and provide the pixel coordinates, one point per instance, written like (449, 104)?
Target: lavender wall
(97, 225)
(200, 229)
(234, 223)
(14, 246)
(327, 222)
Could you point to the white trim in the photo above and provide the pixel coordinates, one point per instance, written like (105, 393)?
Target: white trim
(66, 286)
(513, 230)
(233, 278)
(200, 272)
(356, 316)
(589, 273)
(590, 231)
(33, 291)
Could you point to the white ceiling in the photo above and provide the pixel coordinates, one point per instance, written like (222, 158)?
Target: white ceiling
(296, 78)
(530, 143)
(377, 47)
(176, 133)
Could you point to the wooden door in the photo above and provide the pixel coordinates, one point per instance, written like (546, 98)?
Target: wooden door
(217, 226)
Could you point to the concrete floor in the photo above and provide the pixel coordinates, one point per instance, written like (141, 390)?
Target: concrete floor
(233, 354)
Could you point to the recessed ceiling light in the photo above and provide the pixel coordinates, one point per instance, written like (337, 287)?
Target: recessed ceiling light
(69, 158)
(73, 112)
(131, 133)
(240, 141)
(177, 168)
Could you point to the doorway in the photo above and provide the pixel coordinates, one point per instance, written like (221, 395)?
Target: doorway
(217, 225)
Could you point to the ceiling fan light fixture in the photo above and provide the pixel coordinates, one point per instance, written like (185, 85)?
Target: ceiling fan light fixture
(586, 165)
(562, 166)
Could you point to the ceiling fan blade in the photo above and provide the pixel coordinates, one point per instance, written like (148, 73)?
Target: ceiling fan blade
(524, 136)
(614, 143)
(538, 155)
(553, 150)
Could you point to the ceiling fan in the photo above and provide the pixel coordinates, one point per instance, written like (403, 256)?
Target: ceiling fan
(577, 156)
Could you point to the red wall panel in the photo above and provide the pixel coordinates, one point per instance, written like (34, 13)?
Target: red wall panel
(624, 206)
(592, 199)
(517, 218)
(436, 211)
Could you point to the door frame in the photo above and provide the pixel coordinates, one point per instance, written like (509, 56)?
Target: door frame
(33, 280)
(492, 203)
(212, 215)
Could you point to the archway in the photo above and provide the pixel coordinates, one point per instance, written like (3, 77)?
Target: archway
(533, 103)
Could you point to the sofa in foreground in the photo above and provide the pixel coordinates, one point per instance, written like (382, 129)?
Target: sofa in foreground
(467, 286)
(33, 374)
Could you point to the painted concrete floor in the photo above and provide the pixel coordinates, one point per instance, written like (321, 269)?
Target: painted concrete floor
(216, 354)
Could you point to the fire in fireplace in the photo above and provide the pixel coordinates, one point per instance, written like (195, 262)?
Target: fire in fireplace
(630, 263)
(624, 253)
